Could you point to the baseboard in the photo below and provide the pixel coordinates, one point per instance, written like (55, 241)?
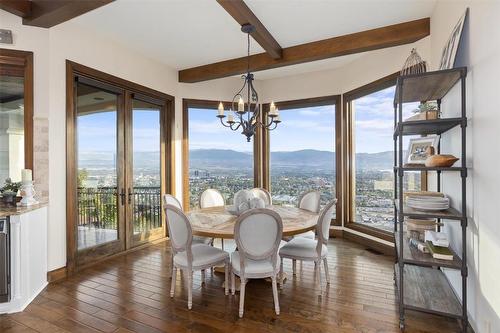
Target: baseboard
(57, 274)
(336, 233)
(370, 243)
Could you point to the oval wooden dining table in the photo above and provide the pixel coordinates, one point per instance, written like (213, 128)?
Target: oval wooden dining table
(218, 222)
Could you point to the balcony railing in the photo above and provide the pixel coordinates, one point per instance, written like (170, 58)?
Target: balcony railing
(97, 208)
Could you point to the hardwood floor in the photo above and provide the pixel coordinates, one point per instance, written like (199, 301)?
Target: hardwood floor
(131, 294)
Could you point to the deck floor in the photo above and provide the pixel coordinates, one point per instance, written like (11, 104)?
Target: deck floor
(131, 294)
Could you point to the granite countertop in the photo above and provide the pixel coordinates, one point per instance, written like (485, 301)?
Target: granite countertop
(6, 210)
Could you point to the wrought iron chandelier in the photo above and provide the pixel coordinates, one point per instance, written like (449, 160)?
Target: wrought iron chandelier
(248, 116)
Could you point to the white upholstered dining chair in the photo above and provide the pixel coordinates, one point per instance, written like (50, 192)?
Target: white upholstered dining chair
(169, 199)
(258, 234)
(306, 249)
(211, 198)
(310, 201)
(263, 194)
(191, 257)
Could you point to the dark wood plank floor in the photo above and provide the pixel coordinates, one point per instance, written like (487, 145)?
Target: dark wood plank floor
(131, 294)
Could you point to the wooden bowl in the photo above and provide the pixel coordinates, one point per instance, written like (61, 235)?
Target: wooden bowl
(443, 161)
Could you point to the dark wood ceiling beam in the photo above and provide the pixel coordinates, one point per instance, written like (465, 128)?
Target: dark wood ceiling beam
(20, 8)
(48, 13)
(243, 15)
(369, 40)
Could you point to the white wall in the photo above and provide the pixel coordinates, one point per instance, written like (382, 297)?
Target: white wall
(482, 57)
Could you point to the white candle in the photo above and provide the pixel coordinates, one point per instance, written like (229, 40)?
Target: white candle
(221, 109)
(277, 117)
(241, 105)
(272, 108)
(230, 118)
(26, 175)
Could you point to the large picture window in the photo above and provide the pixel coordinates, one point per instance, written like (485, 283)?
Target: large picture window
(371, 119)
(217, 157)
(302, 151)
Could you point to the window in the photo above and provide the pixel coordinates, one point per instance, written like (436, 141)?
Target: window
(302, 152)
(218, 157)
(372, 158)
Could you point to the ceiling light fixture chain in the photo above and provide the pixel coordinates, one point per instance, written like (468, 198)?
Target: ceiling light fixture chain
(238, 109)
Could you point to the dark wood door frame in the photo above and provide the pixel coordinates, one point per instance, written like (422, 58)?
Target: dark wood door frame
(347, 124)
(209, 105)
(303, 103)
(74, 70)
(14, 62)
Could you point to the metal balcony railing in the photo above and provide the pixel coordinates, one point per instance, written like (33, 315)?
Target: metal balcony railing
(97, 208)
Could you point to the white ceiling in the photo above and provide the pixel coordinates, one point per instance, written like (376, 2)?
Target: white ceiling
(188, 33)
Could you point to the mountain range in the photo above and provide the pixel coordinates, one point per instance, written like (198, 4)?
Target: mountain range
(225, 158)
(310, 158)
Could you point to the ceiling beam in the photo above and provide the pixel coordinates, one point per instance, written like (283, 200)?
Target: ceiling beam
(392, 35)
(243, 15)
(20, 8)
(48, 13)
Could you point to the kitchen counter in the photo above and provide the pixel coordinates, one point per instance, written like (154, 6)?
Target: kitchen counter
(7, 210)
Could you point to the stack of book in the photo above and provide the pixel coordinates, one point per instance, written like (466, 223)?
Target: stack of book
(438, 245)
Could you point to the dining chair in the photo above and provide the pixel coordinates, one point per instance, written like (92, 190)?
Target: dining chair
(306, 249)
(191, 257)
(257, 233)
(169, 199)
(310, 201)
(211, 198)
(264, 194)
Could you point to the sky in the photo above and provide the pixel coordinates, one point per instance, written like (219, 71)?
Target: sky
(305, 128)
(97, 132)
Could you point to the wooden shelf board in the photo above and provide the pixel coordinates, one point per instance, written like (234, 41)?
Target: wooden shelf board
(427, 86)
(413, 256)
(426, 127)
(424, 168)
(449, 214)
(427, 289)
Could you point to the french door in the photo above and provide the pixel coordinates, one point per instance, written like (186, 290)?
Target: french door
(120, 152)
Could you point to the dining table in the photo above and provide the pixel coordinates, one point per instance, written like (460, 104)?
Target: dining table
(218, 222)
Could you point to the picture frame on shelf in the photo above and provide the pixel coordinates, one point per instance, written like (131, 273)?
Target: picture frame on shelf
(418, 151)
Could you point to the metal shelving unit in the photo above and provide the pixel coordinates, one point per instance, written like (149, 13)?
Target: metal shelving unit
(422, 285)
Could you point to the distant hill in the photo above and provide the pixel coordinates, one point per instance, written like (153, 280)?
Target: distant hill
(202, 158)
(227, 159)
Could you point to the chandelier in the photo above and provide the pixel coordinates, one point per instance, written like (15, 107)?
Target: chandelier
(247, 116)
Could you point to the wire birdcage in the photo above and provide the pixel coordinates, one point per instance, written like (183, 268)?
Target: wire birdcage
(414, 64)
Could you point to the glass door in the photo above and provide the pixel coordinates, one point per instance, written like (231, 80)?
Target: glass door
(100, 171)
(144, 160)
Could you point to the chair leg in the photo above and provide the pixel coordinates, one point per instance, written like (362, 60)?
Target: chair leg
(233, 282)
(327, 273)
(190, 289)
(203, 277)
(226, 279)
(275, 296)
(317, 269)
(294, 267)
(174, 276)
(280, 277)
(242, 296)
(172, 263)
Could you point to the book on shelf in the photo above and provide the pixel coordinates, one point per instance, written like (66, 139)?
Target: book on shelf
(437, 238)
(419, 245)
(439, 252)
